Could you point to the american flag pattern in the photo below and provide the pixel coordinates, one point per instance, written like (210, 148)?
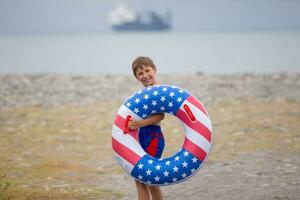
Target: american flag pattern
(183, 164)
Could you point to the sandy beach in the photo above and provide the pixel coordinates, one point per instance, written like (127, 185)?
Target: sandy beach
(55, 135)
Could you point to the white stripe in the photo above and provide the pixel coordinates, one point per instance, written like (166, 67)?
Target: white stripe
(124, 111)
(127, 140)
(127, 166)
(199, 115)
(197, 138)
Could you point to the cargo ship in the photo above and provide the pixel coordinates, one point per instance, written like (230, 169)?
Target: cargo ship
(123, 18)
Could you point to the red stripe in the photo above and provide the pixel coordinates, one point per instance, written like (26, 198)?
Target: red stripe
(120, 122)
(194, 149)
(152, 148)
(125, 152)
(196, 126)
(196, 103)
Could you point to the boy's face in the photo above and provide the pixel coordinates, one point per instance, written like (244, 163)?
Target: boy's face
(146, 75)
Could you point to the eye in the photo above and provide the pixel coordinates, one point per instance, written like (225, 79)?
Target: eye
(140, 74)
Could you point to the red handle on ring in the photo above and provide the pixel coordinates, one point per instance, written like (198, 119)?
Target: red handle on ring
(189, 112)
(126, 128)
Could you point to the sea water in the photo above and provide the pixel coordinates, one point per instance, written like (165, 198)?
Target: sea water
(172, 52)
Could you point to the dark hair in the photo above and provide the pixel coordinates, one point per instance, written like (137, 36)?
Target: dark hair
(141, 61)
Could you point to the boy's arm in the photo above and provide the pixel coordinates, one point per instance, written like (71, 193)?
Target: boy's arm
(145, 122)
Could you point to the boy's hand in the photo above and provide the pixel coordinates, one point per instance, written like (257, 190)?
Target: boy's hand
(132, 124)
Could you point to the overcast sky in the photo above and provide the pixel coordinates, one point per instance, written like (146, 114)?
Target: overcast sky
(88, 16)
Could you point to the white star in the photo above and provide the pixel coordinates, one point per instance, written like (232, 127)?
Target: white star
(171, 94)
(170, 104)
(175, 169)
(153, 111)
(194, 159)
(140, 91)
(164, 89)
(181, 91)
(128, 104)
(140, 177)
(157, 167)
(183, 175)
(145, 106)
(140, 166)
(149, 88)
(155, 93)
(177, 158)
(148, 172)
(179, 99)
(193, 170)
(153, 103)
(150, 161)
(156, 178)
(174, 179)
(146, 96)
(166, 173)
(149, 182)
(163, 98)
(144, 115)
(162, 108)
(136, 110)
(184, 164)
(186, 153)
(167, 163)
(137, 100)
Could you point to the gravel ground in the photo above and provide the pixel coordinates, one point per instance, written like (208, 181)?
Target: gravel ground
(54, 90)
(55, 135)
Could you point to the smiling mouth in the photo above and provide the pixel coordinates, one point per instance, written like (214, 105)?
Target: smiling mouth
(147, 80)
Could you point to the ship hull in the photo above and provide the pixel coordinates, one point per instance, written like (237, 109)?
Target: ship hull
(140, 27)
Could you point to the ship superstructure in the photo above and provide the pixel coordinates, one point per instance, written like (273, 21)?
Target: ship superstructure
(123, 18)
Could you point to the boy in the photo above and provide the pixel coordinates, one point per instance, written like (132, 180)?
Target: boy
(150, 135)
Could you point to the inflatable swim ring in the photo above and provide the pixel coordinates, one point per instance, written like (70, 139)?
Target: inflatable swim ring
(194, 151)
